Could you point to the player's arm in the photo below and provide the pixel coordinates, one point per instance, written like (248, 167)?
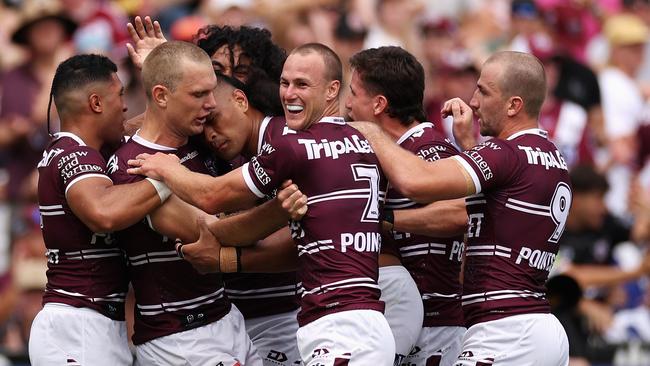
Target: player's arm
(249, 226)
(415, 178)
(211, 194)
(178, 219)
(276, 253)
(105, 207)
(439, 219)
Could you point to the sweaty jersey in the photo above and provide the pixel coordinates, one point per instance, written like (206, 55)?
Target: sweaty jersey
(171, 296)
(434, 263)
(339, 238)
(515, 222)
(264, 294)
(85, 269)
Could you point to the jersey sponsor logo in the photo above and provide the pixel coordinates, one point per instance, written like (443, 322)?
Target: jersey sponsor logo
(361, 242)
(480, 162)
(72, 159)
(267, 149)
(457, 249)
(539, 259)
(431, 153)
(73, 168)
(260, 173)
(48, 156)
(549, 160)
(189, 156)
(333, 149)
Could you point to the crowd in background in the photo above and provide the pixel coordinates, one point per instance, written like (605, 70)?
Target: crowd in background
(597, 112)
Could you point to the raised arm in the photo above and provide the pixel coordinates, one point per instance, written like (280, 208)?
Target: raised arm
(415, 178)
(146, 35)
(105, 207)
(226, 193)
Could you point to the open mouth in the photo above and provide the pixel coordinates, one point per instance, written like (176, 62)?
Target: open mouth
(294, 108)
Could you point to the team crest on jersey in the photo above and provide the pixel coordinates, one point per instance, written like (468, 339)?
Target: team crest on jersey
(112, 164)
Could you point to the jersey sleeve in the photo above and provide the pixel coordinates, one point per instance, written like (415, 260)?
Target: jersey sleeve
(489, 164)
(275, 164)
(435, 150)
(117, 166)
(78, 164)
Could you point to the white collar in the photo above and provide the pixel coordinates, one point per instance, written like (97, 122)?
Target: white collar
(414, 129)
(333, 119)
(71, 135)
(140, 140)
(531, 131)
(263, 126)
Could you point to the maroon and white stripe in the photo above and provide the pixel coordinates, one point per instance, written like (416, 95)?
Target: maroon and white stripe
(423, 249)
(169, 307)
(350, 282)
(154, 257)
(499, 295)
(488, 249)
(265, 292)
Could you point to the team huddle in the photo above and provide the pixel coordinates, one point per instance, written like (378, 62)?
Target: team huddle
(256, 225)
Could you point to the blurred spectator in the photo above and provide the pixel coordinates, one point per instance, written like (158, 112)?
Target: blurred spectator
(623, 105)
(101, 27)
(43, 31)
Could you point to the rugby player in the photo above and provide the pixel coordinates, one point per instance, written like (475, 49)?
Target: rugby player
(519, 199)
(387, 88)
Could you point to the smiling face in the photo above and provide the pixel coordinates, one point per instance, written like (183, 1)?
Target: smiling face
(228, 129)
(192, 100)
(488, 102)
(304, 90)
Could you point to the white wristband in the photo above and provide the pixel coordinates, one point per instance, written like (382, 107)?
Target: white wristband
(163, 191)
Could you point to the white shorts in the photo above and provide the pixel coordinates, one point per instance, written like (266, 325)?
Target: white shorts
(436, 346)
(274, 337)
(353, 337)
(65, 335)
(404, 309)
(224, 342)
(519, 340)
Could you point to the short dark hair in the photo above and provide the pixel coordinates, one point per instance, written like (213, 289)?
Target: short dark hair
(585, 179)
(261, 91)
(78, 71)
(256, 44)
(396, 74)
(333, 65)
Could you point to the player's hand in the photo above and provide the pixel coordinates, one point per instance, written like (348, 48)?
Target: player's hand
(204, 253)
(367, 129)
(153, 166)
(292, 200)
(463, 126)
(146, 36)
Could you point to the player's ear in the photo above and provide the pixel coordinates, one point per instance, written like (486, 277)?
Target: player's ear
(333, 90)
(240, 98)
(379, 104)
(160, 94)
(95, 103)
(515, 105)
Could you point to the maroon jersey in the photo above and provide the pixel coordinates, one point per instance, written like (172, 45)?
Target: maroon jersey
(516, 219)
(264, 294)
(339, 237)
(84, 269)
(434, 263)
(171, 296)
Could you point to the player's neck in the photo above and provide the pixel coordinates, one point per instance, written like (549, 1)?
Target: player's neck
(88, 135)
(256, 118)
(517, 125)
(154, 130)
(394, 128)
